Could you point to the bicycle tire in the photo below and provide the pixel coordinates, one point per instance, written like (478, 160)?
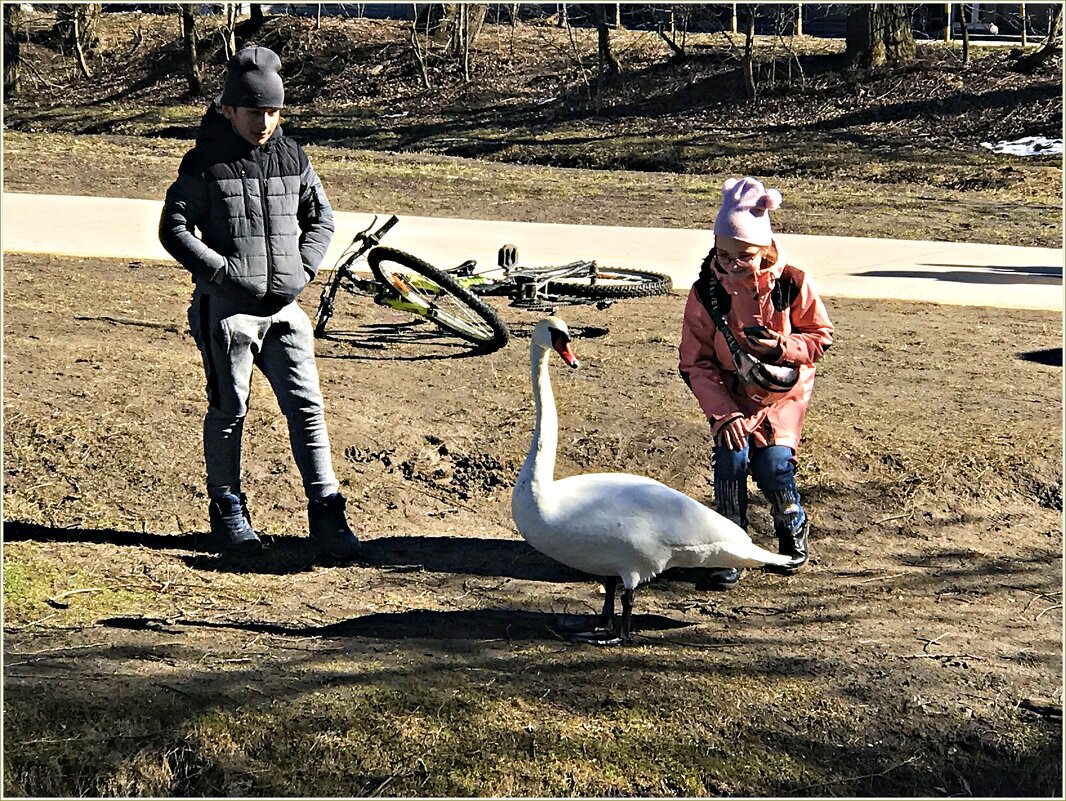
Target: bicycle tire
(325, 309)
(633, 284)
(465, 314)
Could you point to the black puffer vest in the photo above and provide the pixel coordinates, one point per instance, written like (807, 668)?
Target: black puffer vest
(263, 217)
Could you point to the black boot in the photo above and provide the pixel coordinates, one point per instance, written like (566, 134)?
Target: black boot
(719, 578)
(231, 525)
(792, 527)
(329, 527)
(730, 501)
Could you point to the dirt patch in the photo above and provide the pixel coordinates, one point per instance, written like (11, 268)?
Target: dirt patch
(918, 654)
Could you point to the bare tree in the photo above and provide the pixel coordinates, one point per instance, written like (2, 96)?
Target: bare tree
(193, 73)
(965, 34)
(880, 33)
(1051, 46)
(608, 63)
(418, 50)
(676, 39)
(12, 57)
(749, 59)
(453, 26)
(77, 30)
(229, 29)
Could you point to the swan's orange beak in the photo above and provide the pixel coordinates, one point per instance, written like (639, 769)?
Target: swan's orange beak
(564, 349)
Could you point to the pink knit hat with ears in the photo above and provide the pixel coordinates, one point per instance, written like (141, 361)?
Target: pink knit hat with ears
(744, 214)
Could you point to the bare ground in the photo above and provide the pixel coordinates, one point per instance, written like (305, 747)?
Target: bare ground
(920, 652)
(907, 659)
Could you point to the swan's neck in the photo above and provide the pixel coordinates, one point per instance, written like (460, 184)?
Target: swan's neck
(539, 468)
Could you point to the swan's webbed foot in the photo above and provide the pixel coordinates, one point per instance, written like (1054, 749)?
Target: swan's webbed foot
(596, 636)
(603, 631)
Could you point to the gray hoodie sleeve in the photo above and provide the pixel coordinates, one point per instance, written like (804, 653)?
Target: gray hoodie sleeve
(183, 208)
(316, 221)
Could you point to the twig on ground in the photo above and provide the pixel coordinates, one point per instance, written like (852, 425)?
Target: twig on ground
(858, 778)
(893, 517)
(36, 622)
(1056, 606)
(933, 642)
(882, 578)
(56, 603)
(943, 656)
(106, 318)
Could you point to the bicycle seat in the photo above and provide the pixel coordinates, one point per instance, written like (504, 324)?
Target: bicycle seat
(508, 256)
(465, 269)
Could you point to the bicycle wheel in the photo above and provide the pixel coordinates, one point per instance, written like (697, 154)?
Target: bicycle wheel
(612, 285)
(325, 307)
(428, 292)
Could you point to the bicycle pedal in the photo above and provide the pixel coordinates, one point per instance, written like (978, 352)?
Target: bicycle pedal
(466, 269)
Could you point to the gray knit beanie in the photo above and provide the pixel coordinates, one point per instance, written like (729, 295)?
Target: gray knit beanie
(252, 79)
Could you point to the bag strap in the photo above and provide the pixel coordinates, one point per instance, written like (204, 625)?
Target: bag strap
(705, 290)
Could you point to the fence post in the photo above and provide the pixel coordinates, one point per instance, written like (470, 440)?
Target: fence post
(1024, 26)
(797, 28)
(947, 22)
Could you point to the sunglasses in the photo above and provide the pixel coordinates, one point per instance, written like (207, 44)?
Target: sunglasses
(743, 260)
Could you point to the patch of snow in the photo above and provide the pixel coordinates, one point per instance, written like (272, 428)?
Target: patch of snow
(1027, 146)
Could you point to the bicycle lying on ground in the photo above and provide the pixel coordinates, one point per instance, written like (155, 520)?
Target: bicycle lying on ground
(453, 298)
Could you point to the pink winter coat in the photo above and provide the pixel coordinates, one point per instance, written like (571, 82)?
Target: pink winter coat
(780, 297)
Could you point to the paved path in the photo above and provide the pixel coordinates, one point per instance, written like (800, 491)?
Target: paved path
(940, 272)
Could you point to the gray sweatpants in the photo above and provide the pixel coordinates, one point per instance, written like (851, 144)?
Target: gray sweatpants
(282, 347)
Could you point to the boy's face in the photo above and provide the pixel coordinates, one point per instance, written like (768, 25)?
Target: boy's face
(254, 125)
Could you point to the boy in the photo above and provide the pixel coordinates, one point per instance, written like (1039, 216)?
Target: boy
(264, 224)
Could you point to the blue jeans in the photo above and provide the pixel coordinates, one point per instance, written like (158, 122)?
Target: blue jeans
(774, 471)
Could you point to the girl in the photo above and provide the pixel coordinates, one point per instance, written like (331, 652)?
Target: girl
(753, 328)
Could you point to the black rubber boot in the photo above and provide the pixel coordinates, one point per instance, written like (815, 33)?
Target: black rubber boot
(231, 524)
(730, 501)
(792, 526)
(329, 527)
(720, 578)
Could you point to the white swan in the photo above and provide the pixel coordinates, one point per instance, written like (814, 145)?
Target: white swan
(614, 525)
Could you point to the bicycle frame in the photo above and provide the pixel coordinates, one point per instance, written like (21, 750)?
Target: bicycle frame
(422, 289)
(444, 297)
(362, 243)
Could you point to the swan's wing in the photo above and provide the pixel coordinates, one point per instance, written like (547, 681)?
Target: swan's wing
(644, 507)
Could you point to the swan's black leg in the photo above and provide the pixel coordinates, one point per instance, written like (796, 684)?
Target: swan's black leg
(602, 631)
(610, 586)
(627, 613)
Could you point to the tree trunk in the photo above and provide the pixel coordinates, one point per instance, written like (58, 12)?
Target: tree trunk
(12, 58)
(879, 33)
(86, 35)
(193, 73)
(1052, 45)
(229, 32)
(417, 48)
(76, 31)
(608, 63)
(445, 23)
(749, 59)
(965, 28)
